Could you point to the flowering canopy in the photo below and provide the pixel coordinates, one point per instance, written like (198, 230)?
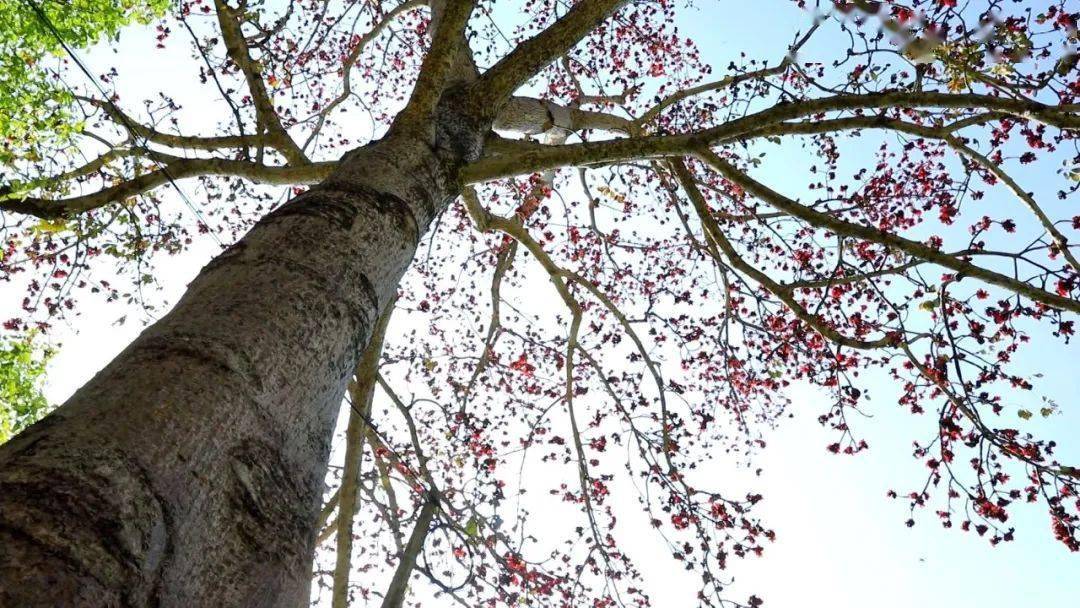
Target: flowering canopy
(628, 283)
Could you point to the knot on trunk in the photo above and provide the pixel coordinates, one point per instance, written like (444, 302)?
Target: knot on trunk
(78, 529)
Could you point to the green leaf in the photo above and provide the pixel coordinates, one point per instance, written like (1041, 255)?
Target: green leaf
(36, 108)
(472, 529)
(51, 226)
(22, 373)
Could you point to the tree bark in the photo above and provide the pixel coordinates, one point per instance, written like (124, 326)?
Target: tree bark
(189, 471)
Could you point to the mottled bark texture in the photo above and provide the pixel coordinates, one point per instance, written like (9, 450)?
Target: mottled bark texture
(189, 471)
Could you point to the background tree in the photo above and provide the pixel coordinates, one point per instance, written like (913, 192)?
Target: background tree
(34, 102)
(586, 144)
(22, 370)
(38, 113)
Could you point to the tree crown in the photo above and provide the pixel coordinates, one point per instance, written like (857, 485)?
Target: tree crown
(692, 280)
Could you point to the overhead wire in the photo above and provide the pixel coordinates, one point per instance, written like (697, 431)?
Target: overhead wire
(49, 25)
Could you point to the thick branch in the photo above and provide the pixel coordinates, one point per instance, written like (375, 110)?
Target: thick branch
(657, 146)
(531, 116)
(177, 169)
(448, 49)
(533, 55)
(395, 593)
(361, 391)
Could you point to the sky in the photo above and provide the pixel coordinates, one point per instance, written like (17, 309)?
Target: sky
(840, 541)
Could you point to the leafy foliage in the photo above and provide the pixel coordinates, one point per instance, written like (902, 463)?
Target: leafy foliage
(36, 106)
(22, 371)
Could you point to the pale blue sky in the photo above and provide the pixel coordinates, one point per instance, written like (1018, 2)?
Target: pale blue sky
(840, 541)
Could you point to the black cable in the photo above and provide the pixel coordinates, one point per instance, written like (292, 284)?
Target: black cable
(37, 10)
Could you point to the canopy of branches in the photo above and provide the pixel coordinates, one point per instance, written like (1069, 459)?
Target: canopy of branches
(653, 247)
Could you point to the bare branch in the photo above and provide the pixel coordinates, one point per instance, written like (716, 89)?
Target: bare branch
(728, 81)
(237, 47)
(176, 169)
(1029, 201)
(220, 142)
(361, 391)
(783, 292)
(723, 83)
(352, 58)
(866, 233)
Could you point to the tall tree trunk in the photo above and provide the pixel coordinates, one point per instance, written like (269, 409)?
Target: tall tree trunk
(189, 471)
